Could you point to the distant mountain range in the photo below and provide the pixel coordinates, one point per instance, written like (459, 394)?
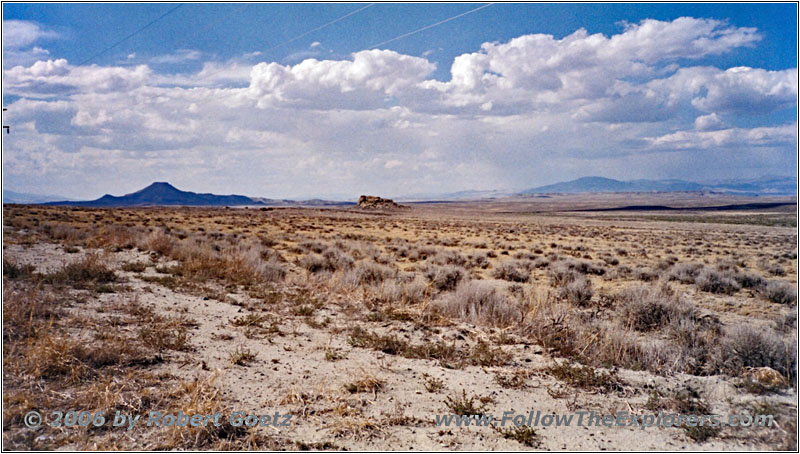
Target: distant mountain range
(453, 196)
(24, 197)
(162, 193)
(769, 185)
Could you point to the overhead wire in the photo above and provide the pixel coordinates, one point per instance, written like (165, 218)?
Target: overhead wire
(404, 35)
(327, 24)
(320, 27)
(129, 36)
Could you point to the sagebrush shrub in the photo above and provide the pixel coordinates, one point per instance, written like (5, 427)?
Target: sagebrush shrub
(445, 278)
(479, 303)
(512, 271)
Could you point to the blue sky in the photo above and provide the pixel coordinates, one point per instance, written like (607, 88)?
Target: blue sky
(510, 96)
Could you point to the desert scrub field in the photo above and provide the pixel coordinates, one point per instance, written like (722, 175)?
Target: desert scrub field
(363, 326)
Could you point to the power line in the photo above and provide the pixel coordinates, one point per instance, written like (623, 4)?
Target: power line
(129, 36)
(213, 25)
(430, 26)
(320, 27)
(304, 34)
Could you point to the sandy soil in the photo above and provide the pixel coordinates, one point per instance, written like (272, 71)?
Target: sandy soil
(290, 374)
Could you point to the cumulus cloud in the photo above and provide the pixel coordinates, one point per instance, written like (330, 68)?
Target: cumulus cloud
(545, 70)
(19, 33)
(780, 136)
(19, 38)
(743, 90)
(708, 122)
(512, 114)
(55, 77)
(360, 83)
(179, 56)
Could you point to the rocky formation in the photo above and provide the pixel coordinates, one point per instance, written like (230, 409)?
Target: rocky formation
(370, 202)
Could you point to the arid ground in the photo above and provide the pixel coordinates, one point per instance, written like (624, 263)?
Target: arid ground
(366, 325)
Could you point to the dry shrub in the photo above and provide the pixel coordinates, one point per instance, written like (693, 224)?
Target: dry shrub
(585, 377)
(786, 323)
(749, 280)
(607, 345)
(243, 264)
(444, 278)
(685, 273)
(368, 382)
(479, 260)
(26, 310)
(315, 263)
(449, 257)
(578, 291)
(716, 282)
(747, 346)
(779, 292)
(202, 397)
(774, 269)
(367, 273)
(696, 340)
(116, 237)
(90, 269)
(478, 303)
(249, 264)
(12, 270)
(329, 261)
(392, 292)
(337, 259)
(65, 233)
(512, 271)
(649, 308)
(561, 274)
(549, 323)
(465, 406)
(158, 242)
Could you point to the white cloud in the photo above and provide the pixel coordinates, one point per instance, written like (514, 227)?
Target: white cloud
(360, 83)
(18, 42)
(18, 34)
(785, 136)
(314, 44)
(54, 77)
(745, 90)
(179, 56)
(708, 122)
(512, 114)
(538, 69)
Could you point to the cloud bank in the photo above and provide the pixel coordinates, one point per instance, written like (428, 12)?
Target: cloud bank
(516, 114)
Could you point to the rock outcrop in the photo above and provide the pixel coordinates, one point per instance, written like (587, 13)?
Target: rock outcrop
(370, 202)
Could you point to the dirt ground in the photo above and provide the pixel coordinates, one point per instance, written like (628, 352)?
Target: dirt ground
(365, 326)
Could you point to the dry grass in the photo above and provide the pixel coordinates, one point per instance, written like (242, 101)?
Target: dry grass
(458, 290)
(460, 404)
(479, 304)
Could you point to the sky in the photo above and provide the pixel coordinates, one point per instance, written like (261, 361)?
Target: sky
(337, 100)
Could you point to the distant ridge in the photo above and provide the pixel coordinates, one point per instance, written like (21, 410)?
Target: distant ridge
(24, 197)
(769, 185)
(165, 194)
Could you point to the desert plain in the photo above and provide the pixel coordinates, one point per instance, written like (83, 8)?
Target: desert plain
(363, 325)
